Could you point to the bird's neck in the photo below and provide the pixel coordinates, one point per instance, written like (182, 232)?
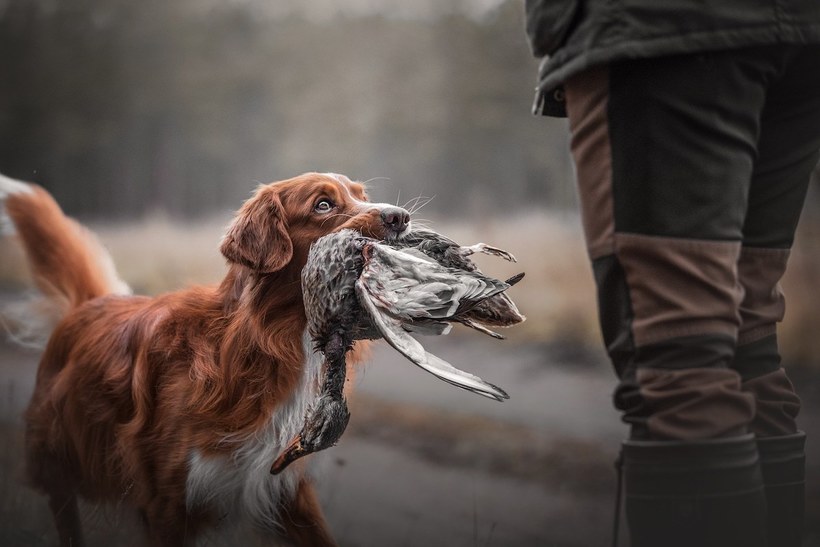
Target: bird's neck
(335, 377)
(335, 351)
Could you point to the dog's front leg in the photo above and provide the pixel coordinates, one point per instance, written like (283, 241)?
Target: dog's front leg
(67, 518)
(169, 524)
(303, 520)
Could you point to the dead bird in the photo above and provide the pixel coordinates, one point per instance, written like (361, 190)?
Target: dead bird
(359, 288)
(496, 311)
(403, 292)
(335, 321)
(328, 417)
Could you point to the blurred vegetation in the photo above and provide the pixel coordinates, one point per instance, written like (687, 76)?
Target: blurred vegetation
(122, 107)
(798, 333)
(175, 110)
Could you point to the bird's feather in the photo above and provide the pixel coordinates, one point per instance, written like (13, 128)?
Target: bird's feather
(411, 288)
(495, 311)
(393, 333)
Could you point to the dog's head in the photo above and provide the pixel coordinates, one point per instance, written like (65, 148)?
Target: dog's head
(277, 225)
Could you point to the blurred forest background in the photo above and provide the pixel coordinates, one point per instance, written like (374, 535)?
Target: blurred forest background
(123, 107)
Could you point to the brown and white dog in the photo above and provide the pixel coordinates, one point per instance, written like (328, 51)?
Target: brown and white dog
(179, 404)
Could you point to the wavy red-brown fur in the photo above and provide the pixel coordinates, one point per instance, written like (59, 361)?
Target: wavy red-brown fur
(66, 260)
(129, 386)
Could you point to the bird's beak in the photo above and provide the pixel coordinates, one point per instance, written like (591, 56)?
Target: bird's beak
(293, 452)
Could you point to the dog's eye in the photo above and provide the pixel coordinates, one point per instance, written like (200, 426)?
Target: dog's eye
(324, 205)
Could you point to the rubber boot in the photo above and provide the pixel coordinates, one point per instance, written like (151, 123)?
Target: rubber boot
(783, 462)
(694, 493)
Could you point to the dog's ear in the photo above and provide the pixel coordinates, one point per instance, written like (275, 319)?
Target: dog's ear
(258, 237)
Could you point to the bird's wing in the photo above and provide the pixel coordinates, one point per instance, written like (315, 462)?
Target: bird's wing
(393, 333)
(416, 252)
(409, 287)
(433, 298)
(428, 328)
(436, 247)
(467, 322)
(450, 374)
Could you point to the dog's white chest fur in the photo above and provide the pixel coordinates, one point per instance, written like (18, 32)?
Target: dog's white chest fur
(241, 484)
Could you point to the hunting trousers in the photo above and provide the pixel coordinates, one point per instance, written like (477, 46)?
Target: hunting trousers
(692, 172)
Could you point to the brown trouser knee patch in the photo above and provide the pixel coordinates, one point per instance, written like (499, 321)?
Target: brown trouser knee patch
(680, 287)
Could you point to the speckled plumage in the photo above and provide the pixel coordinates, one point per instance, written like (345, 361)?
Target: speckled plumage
(496, 311)
(359, 288)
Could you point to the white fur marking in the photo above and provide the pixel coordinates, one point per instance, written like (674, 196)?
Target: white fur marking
(30, 321)
(241, 485)
(113, 283)
(8, 187)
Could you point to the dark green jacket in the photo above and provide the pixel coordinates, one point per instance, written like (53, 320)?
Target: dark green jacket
(571, 35)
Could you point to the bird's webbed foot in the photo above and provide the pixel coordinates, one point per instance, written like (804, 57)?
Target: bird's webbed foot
(489, 250)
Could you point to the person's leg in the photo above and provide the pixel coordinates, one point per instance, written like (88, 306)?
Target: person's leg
(788, 151)
(664, 177)
(664, 150)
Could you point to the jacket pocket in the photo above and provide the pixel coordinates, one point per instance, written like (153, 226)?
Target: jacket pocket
(548, 24)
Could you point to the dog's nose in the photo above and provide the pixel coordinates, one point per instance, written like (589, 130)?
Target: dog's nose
(395, 218)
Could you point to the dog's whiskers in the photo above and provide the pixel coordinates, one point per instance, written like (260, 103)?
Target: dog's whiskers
(422, 223)
(418, 204)
(426, 221)
(414, 201)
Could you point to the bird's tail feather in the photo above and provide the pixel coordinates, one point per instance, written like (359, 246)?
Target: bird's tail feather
(515, 279)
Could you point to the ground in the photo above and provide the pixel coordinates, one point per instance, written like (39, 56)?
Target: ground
(424, 463)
